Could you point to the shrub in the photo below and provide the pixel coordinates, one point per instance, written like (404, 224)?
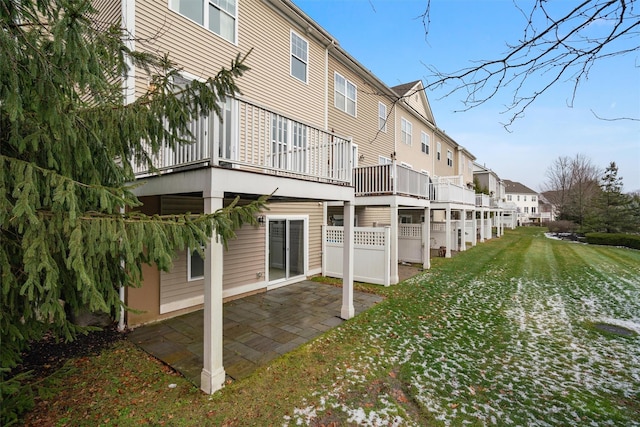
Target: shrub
(562, 226)
(614, 239)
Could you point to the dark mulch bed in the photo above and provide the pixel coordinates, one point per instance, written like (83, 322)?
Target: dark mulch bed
(47, 355)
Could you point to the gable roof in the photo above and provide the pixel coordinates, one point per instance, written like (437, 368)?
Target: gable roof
(517, 188)
(416, 87)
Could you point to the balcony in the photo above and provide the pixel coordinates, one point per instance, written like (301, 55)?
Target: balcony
(451, 189)
(390, 179)
(253, 138)
(483, 200)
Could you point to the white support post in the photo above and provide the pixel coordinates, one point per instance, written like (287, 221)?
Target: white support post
(481, 223)
(394, 245)
(447, 231)
(347, 311)
(474, 229)
(426, 239)
(463, 233)
(213, 376)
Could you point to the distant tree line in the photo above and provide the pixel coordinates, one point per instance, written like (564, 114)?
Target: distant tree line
(590, 198)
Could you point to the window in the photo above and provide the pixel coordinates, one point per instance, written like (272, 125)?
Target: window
(449, 158)
(526, 209)
(508, 197)
(424, 142)
(219, 16)
(299, 57)
(524, 198)
(384, 160)
(518, 197)
(533, 198)
(533, 209)
(405, 219)
(195, 267)
(382, 117)
(439, 150)
(405, 131)
(345, 95)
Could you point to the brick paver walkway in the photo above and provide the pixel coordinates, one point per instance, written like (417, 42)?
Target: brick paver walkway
(257, 328)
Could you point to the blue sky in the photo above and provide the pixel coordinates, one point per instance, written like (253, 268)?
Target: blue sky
(387, 37)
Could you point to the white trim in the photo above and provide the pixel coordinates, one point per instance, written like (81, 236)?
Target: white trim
(129, 25)
(384, 117)
(244, 289)
(189, 277)
(183, 303)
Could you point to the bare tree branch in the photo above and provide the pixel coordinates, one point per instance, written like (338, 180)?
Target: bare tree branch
(551, 51)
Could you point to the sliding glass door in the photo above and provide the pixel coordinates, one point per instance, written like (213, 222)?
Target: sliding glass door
(286, 249)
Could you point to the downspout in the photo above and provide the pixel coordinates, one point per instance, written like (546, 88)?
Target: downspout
(128, 93)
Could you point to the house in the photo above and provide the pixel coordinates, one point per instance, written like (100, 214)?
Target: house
(333, 144)
(525, 200)
(492, 195)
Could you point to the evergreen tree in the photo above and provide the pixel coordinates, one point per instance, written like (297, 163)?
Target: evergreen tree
(69, 233)
(613, 206)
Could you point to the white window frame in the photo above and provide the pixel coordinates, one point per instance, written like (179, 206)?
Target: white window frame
(533, 198)
(174, 6)
(425, 142)
(405, 219)
(190, 254)
(382, 117)
(343, 93)
(382, 160)
(406, 130)
(293, 56)
(450, 158)
(438, 150)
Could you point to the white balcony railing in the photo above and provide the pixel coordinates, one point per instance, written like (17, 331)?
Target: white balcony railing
(452, 190)
(390, 179)
(255, 138)
(483, 200)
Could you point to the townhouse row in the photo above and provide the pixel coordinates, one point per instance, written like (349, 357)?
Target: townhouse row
(359, 171)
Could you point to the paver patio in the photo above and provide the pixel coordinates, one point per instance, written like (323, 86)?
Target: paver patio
(257, 328)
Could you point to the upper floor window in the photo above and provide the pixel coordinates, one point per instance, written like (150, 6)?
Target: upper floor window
(449, 158)
(424, 142)
(382, 117)
(219, 16)
(518, 197)
(345, 95)
(533, 209)
(299, 57)
(533, 198)
(524, 198)
(526, 209)
(405, 131)
(382, 160)
(508, 197)
(439, 150)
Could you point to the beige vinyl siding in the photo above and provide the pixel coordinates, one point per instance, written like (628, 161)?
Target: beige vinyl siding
(176, 291)
(363, 129)
(244, 260)
(379, 216)
(314, 211)
(412, 154)
(108, 12)
(202, 53)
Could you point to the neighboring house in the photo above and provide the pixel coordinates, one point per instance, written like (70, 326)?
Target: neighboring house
(546, 208)
(312, 126)
(525, 200)
(506, 213)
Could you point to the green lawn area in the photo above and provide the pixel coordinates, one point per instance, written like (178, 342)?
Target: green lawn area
(502, 334)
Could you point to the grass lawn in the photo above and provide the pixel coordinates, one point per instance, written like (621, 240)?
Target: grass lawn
(502, 334)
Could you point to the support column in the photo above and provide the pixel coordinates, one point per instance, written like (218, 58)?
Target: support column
(447, 230)
(394, 245)
(426, 239)
(500, 222)
(347, 311)
(213, 376)
(463, 243)
(474, 228)
(481, 223)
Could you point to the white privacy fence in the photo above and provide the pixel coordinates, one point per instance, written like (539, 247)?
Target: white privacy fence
(410, 242)
(371, 253)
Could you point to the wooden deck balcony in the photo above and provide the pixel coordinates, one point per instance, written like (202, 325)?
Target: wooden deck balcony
(254, 138)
